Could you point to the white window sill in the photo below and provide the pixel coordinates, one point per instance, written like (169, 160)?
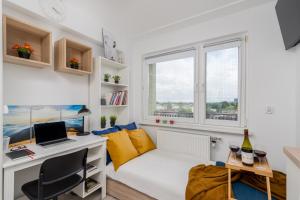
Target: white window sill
(218, 129)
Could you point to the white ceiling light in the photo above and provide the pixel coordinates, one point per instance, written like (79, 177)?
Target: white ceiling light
(53, 9)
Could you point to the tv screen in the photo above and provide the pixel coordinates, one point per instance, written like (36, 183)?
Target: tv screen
(288, 13)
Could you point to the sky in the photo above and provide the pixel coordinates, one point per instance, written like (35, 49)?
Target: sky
(175, 79)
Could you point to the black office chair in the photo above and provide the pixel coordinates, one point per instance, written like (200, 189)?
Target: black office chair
(57, 176)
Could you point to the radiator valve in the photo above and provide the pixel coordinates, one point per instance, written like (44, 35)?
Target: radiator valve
(214, 141)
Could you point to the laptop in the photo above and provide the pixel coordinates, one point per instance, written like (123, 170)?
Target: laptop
(50, 133)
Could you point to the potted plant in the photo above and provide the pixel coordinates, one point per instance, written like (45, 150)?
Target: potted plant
(74, 63)
(116, 78)
(24, 51)
(103, 122)
(113, 120)
(106, 77)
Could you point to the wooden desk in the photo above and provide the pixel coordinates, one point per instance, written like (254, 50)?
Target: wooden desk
(236, 164)
(97, 153)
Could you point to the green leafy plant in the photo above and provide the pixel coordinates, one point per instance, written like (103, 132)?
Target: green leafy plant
(113, 120)
(24, 51)
(103, 122)
(116, 78)
(74, 63)
(106, 77)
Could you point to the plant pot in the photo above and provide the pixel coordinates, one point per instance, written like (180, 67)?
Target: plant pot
(116, 82)
(103, 125)
(112, 124)
(25, 55)
(106, 80)
(74, 66)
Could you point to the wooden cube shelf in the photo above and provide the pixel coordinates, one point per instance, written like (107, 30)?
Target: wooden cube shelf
(17, 32)
(65, 49)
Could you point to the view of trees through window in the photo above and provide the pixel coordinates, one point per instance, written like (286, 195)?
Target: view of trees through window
(222, 68)
(171, 84)
(171, 88)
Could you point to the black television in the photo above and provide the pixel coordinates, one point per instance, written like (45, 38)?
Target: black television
(288, 13)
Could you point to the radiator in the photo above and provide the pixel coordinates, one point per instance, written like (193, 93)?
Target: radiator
(184, 142)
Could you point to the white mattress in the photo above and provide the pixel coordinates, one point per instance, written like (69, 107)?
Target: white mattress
(159, 174)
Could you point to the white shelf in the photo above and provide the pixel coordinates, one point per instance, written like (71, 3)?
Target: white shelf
(113, 84)
(93, 172)
(93, 158)
(114, 106)
(85, 194)
(109, 63)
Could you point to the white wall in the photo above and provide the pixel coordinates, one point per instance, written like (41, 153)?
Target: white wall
(1, 103)
(32, 86)
(297, 51)
(271, 76)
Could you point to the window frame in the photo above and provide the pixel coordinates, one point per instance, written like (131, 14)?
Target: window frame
(199, 119)
(145, 87)
(221, 45)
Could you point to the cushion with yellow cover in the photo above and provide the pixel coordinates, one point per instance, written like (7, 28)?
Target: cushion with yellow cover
(141, 140)
(120, 148)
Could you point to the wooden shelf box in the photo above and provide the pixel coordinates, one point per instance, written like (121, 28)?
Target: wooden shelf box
(65, 49)
(17, 32)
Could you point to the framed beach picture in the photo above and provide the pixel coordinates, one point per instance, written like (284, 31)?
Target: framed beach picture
(19, 120)
(74, 123)
(16, 124)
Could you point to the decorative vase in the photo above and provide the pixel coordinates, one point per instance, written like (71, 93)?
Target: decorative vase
(103, 124)
(116, 82)
(25, 55)
(112, 124)
(157, 121)
(74, 65)
(106, 80)
(172, 122)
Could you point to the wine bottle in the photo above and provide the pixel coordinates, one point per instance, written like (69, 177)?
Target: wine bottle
(247, 150)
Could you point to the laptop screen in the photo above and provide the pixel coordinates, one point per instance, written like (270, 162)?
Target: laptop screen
(47, 132)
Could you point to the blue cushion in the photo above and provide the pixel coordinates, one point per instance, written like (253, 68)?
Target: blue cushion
(104, 132)
(243, 191)
(220, 164)
(130, 126)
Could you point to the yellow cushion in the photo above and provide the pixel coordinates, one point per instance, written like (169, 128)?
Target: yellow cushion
(120, 148)
(141, 140)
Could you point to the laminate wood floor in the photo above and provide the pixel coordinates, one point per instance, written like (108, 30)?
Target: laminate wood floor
(95, 196)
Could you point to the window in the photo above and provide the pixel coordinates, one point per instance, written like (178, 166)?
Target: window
(171, 84)
(222, 92)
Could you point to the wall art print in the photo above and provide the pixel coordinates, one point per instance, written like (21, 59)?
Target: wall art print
(19, 120)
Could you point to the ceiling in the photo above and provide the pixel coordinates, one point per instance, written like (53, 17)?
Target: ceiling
(137, 17)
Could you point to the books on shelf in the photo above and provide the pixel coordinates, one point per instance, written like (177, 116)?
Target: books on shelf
(90, 167)
(117, 98)
(90, 184)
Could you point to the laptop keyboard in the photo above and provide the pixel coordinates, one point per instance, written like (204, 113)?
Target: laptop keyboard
(54, 142)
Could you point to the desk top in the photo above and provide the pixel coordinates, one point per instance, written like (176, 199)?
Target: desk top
(237, 164)
(44, 152)
(293, 153)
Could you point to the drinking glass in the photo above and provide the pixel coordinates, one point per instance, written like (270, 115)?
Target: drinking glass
(234, 148)
(260, 153)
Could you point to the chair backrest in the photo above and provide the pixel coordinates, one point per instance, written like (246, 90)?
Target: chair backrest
(59, 168)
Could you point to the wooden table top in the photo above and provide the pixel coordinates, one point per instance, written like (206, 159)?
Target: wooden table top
(293, 153)
(263, 169)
